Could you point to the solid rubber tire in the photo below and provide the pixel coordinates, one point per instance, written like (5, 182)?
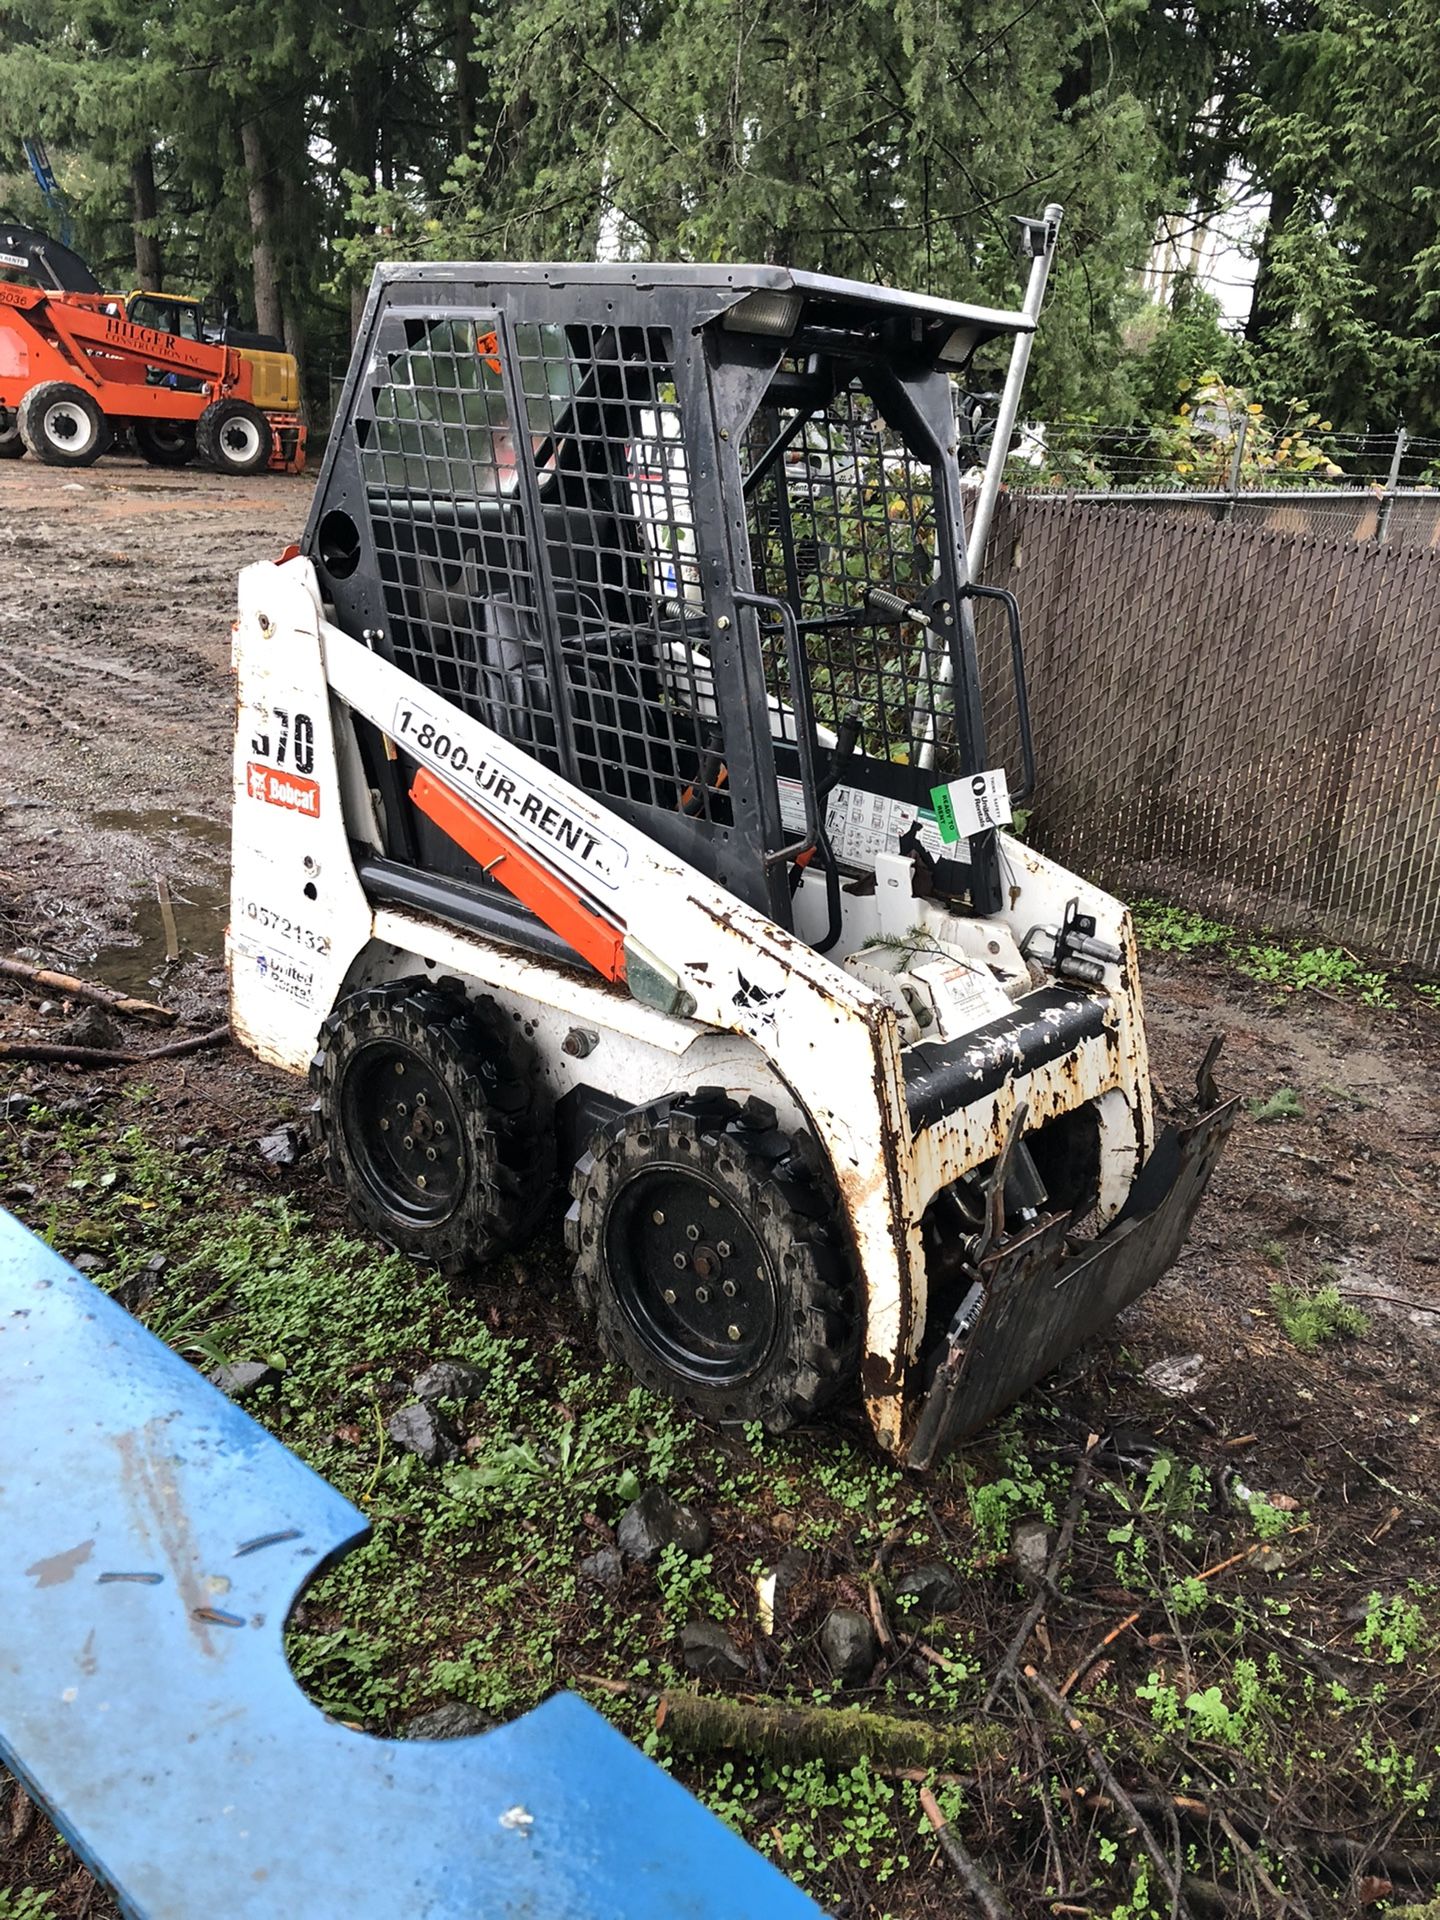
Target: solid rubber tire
(785, 1200)
(31, 419)
(210, 437)
(161, 452)
(507, 1181)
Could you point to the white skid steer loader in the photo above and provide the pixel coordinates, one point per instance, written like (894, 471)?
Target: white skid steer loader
(612, 807)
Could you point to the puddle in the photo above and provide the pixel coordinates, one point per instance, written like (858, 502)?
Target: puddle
(193, 854)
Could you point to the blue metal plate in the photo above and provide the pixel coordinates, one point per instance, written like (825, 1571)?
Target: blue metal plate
(153, 1538)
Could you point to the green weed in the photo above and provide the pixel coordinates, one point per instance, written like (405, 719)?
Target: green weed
(1313, 1319)
(23, 1903)
(1283, 1104)
(1394, 1629)
(1291, 965)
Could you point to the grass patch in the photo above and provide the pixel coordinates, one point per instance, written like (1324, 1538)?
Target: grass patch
(470, 1588)
(1311, 1319)
(1294, 966)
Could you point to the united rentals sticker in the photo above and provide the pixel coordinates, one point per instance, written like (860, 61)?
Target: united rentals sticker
(290, 790)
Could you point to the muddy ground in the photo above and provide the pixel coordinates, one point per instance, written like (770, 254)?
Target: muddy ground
(116, 594)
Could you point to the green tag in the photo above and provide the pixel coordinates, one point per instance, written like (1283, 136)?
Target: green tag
(944, 814)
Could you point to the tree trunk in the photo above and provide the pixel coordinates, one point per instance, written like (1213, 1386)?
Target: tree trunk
(147, 210)
(264, 252)
(462, 45)
(1264, 314)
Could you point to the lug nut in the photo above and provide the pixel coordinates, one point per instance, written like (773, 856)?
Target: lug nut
(420, 1099)
(439, 1128)
(668, 1296)
(692, 1233)
(420, 1180)
(401, 1108)
(681, 1262)
(399, 1066)
(702, 1294)
(384, 1126)
(734, 1332)
(409, 1143)
(658, 1217)
(430, 1153)
(722, 1247)
(727, 1287)
(713, 1201)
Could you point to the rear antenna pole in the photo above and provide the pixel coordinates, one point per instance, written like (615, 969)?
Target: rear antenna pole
(1040, 237)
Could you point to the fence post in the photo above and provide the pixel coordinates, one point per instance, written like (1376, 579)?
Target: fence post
(1382, 521)
(1235, 460)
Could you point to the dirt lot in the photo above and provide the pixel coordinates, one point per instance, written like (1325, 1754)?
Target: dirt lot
(1309, 1474)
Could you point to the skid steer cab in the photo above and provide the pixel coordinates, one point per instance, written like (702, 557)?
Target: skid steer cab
(613, 812)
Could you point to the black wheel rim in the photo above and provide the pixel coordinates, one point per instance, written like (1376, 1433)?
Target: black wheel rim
(692, 1276)
(403, 1131)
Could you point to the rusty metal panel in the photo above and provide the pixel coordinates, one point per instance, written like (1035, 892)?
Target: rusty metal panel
(1042, 1304)
(154, 1540)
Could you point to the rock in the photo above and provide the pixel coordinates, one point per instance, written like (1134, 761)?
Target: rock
(241, 1378)
(453, 1721)
(450, 1380)
(283, 1147)
(603, 1569)
(88, 1263)
(22, 1190)
(91, 1028)
(849, 1645)
(1030, 1544)
(15, 1106)
(419, 1430)
(78, 1109)
(934, 1589)
(1177, 1375)
(709, 1651)
(654, 1522)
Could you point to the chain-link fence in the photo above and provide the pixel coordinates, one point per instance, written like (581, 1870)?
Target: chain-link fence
(1350, 486)
(1243, 718)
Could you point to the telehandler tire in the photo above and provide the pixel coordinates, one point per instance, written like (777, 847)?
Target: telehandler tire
(165, 443)
(12, 447)
(707, 1251)
(61, 425)
(427, 1117)
(234, 437)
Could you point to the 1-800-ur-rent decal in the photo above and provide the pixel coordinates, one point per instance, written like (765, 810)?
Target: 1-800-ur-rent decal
(502, 788)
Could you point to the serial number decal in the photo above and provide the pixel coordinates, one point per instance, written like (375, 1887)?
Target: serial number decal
(269, 921)
(507, 793)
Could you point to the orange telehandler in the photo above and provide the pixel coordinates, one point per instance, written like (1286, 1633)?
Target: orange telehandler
(77, 367)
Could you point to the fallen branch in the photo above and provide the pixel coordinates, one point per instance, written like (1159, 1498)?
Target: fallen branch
(972, 1879)
(1396, 1300)
(840, 1736)
(53, 1054)
(73, 989)
(1105, 1774)
(1079, 1486)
